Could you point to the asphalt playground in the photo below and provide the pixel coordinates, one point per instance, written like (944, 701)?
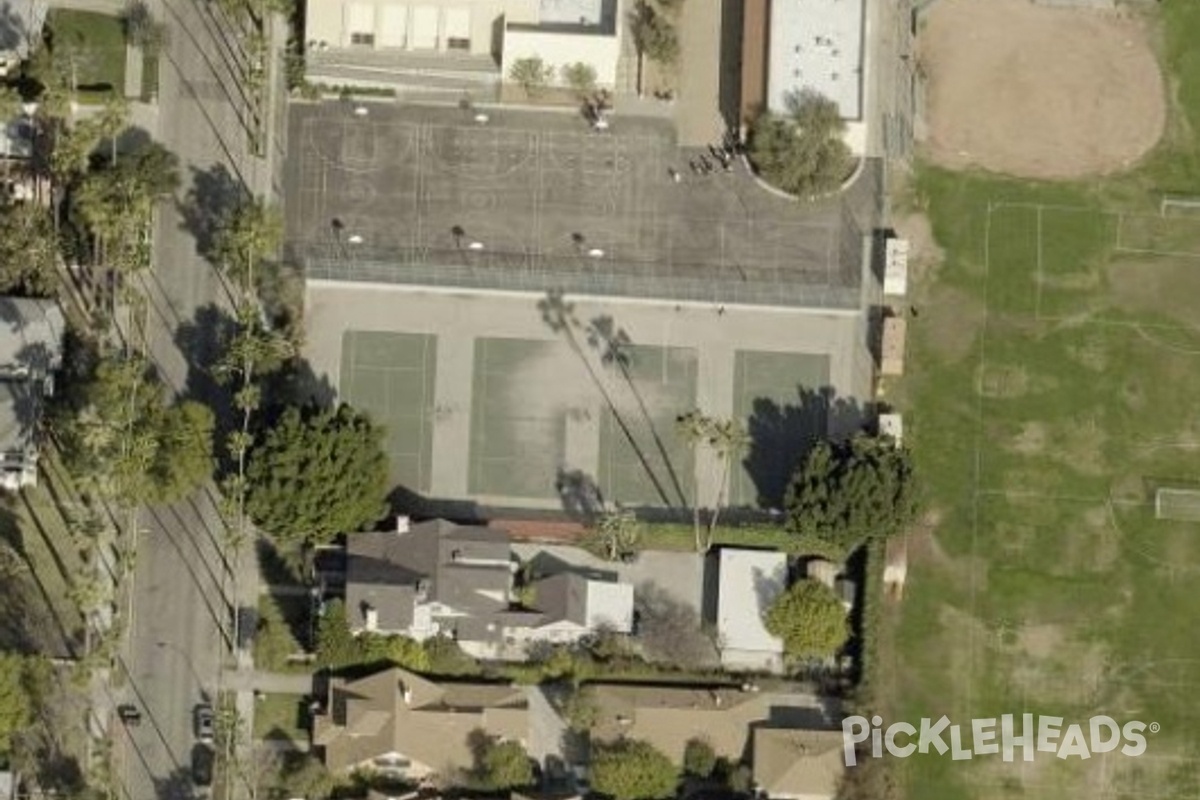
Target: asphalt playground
(422, 194)
(431, 243)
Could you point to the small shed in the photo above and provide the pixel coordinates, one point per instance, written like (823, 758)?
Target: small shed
(891, 361)
(895, 267)
(895, 569)
(892, 425)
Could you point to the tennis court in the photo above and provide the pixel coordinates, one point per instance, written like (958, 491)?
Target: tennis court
(391, 377)
(518, 423)
(661, 385)
(782, 399)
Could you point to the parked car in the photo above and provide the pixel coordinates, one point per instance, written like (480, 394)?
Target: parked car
(204, 723)
(202, 765)
(129, 714)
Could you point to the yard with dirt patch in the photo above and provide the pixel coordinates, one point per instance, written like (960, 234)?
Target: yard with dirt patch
(1022, 89)
(1054, 367)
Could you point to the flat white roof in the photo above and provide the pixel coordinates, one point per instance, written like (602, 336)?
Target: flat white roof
(610, 604)
(750, 580)
(816, 45)
(571, 12)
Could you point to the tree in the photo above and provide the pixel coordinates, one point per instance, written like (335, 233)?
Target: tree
(273, 641)
(248, 235)
(317, 475)
(184, 458)
(580, 709)
(846, 493)
(117, 203)
(615, 535)
(16, 705)
(802, 152)
(727, 439)
(581, 77)
(142, 29)
(29, 252)
(399, 650)
(653, 35)
(336, 645)
(810, 619)
(531, 74)
(630, 769)
(499, 766)
(699, 758)
(123, 441)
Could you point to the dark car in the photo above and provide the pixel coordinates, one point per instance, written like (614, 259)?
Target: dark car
(202, 765)
(129, 714)
(204, 723)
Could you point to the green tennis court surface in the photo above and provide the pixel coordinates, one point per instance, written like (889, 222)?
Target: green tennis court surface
(518, 417)
(661, 385)
(391, 377)
(780, 399)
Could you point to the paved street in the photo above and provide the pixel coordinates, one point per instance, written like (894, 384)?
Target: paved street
(176, 652)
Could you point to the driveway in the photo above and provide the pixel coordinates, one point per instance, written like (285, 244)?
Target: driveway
(679, 575)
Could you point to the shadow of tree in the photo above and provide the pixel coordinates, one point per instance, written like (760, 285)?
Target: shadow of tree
(581, 496)
(29, 620)
(177, 784)
(671, 631)
(782, 435)
(213, 194)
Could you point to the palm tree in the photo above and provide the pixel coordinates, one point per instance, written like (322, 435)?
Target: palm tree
(692, 427)
(727, 439)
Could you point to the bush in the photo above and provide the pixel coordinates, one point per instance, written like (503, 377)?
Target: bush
(699, 759)
(630, 769)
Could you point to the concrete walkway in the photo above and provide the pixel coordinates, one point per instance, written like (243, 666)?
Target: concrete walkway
(249, 682)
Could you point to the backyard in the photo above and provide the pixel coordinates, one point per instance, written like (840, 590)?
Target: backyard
(1053, 371)
(92, 45)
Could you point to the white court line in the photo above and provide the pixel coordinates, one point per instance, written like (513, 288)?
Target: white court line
(977, 478)
(1037, 283)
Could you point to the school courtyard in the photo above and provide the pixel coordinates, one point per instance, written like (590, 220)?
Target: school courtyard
(443, 257)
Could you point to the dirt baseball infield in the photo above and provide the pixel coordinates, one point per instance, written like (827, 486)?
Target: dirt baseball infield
(1039, 92)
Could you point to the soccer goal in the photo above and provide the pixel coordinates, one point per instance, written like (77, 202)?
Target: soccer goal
(1182, 505)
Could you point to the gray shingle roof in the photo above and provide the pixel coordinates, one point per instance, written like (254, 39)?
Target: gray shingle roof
(466, 568)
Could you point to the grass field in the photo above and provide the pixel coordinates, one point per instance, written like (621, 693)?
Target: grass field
(1053, 379)
(94, 45)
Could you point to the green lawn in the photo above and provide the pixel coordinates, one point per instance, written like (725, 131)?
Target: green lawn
(281, 716)
(39, 560)
(1053, 375)
(94, 44)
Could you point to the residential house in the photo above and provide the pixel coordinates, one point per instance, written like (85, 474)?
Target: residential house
(793, 764)
(748, 583)
(402, 724)
(572, 606)
(763, 729)
(432, 578)
(31, 332)
(457, 46)
(437, 578)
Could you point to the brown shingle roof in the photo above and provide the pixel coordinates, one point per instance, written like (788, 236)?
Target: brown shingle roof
(669, 716)
(800, 764)
(370, 717)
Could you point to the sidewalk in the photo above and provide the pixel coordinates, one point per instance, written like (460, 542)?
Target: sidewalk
(248, 682)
